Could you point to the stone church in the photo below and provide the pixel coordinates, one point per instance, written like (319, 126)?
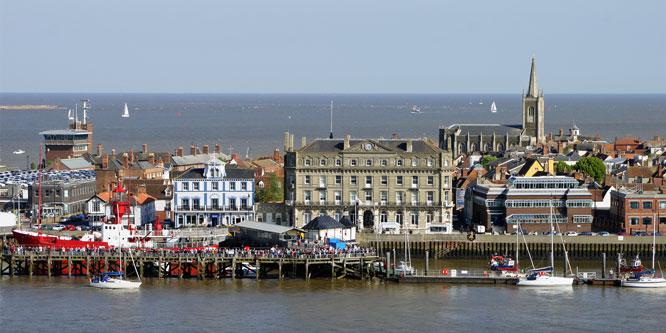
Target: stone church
(468, 138)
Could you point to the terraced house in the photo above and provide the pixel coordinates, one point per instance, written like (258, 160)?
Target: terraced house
(218, 194)
(384, 185)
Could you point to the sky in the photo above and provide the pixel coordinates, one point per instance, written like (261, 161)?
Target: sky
(335, 46)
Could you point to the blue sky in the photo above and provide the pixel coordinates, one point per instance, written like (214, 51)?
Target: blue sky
(332, 46)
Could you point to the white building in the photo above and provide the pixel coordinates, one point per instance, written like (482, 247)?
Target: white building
(142, 209)
(219, 194)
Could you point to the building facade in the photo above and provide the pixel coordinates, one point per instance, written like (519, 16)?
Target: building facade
(488, 138)
(532, 202)
(378, 183)
(60, 198)
(633, 211)
(215, 195)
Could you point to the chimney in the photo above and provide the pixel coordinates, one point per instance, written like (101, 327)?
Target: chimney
(346, 146)
(144, 148)
(125, 161)
(99, 149)
(291, 141)
(151, 158)
(286, 142)
(394, 136)
(551, 166)
(205, 149)
(105, 162)
(131, 156)
(502, 172)
(193, 150)
(597, 138)
(303, 142)
(550, 136)
(607, 179)
(656, 138)
(276, 155)
(217, 148)
(113, 154)
(179, 151)
(561, 132)
(498, 171)
(167, 157)
(409, 145)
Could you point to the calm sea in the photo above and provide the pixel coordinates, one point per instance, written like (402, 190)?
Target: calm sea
(258, 122)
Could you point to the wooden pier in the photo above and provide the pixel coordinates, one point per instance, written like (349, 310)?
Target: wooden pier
(186, 265)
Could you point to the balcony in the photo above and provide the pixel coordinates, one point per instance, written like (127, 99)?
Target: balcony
(212, 208)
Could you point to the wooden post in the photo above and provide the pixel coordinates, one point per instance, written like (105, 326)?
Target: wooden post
(159, 266)
(88, 265)
(280, 270)
(361, 269)
(618, 264)
(307, 270)
(333, 268)
(11, 265)
(106, 261)
(141, 264)
(388, 264)
(257, 264)
(180, 266)
(603, 265)
(48, 265)
(566, 260)
(30, 268)
(427, 263)
(233, 268)
(69, 265)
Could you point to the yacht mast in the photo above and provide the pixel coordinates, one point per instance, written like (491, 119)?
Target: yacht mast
(552, 231)
(331, 136)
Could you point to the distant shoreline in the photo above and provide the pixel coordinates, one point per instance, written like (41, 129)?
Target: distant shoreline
(31, 107)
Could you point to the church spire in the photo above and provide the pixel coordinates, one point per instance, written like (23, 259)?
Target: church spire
(533, 90)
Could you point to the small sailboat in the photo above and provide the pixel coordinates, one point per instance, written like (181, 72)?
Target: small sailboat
(19, 152)
(416, 109)
(493, 108)
(69, 115)
(114, 280)
(405, 267)
(126, 112)
(647, 279)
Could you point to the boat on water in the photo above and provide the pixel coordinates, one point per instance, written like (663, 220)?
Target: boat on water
(247, 269)
(646, 279)
(19, 152)
(113, 280)
(126, 112)
(545, 276)
(405, 267)
(636, 265)
(493, 107)
(416, 109)
(499, 263)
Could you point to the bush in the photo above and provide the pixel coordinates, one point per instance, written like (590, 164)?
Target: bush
(593, 167)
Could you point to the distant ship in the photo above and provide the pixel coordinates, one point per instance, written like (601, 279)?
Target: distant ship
(416, 109)
(19, 152)
(126, 112)
(493, 108)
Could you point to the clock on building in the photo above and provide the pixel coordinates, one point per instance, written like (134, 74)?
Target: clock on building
(368, 146)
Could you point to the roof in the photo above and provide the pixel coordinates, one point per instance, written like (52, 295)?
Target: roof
(395, 145)
(346, 222)
(643, 172)
(487, 129)
(628, 141)
(266, 163)
(231, 173)
(322, 223)
(76, 163)
(196, 159)
(64, 132)
(267, 227)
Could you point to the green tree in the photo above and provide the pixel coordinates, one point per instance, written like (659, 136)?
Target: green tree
(593, 167)
(33, 165)
(272, 191)
(487, 159)
(562, 167)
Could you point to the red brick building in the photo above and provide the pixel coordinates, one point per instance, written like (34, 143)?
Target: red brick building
(633, 211)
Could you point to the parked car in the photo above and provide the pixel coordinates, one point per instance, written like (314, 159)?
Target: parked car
(585, 233)
(570, 233)
(603, 233)
(640, 233)
(522, 232)
(623, 234)
(58, 227)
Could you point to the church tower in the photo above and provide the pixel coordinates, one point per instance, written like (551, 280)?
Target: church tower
(533, 110)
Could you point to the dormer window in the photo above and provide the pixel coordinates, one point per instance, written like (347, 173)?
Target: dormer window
(307, 162)
(398, 163)
(352, 162)
(338, 162)
(322, 162)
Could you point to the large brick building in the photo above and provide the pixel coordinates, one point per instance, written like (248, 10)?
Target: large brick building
(633, 211)
(528, 200)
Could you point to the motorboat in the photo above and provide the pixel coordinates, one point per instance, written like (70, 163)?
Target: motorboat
(543, 277)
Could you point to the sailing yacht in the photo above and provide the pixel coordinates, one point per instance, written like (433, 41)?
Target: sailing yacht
(405, 267)
(126, 112)
(646, 279)
(114, 280)
(493, 108)
(545, 277)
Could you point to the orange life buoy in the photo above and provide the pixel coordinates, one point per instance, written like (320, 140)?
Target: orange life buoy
(445, 271)
(541, 273)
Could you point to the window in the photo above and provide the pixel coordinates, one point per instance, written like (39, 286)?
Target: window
(368, 162)
(185, 203)
(214, 186)
(384, 162)
(446, 162)
(383, 197)
(446, 181)
(633, 204)
(383, 217)
(307, 195)
(306, 180)
(368, 196)
(384, 180)
(338, 180)
(352, 197)
(398, 163)
(662, 219)
(647, 220)
(398, 180)
(398, 197)
(429, 217)
(322, 197)
(582, 219)
(415, 218)
(368, 180)
(96, 206)
(431, 162)
(662, 204)
(446, 196)
(647, 204)
(430, 196)
(306, 217)
(415, 198)
(244, 186)
(232, 186)
(322, 162)
(322, 181)
(633, 220)
(415, 162)
(195, 203)
(337, 216)
(186, 186)
(307, 162)
(338, 162)
(352, 162)
(398, 218)
(352, 180)
(530, 114)
(215, 203)
(338, 197)
(415, 181)
(431, 180)
(244, 204)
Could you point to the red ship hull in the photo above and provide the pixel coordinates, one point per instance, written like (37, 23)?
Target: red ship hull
(631, 268)
(31, 239)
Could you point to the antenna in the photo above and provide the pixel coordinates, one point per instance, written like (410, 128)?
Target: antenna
(331, 136)
(86, 108)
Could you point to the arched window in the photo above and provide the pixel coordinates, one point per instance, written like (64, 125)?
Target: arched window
(475, 147)
(462, 148)
(530, 114)
(489, 147)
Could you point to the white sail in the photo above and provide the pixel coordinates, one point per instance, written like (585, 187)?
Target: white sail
(69, 115)
(493, 108)
(126, 112)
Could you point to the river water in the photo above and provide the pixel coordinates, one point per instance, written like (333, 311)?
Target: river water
(245, 305)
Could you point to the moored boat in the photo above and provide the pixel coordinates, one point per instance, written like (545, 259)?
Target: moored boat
(499, 263)
(108, 281)
(635, 266)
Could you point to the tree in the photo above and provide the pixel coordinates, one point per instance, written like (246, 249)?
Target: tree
(593, 167)
(563, 167)
(271, 191)
(33, 165)
(487, 159)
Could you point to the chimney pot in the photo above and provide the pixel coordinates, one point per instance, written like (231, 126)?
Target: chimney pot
(346, 144)
(409, 145)
(113, 154)
(286, 142)
(99, 150)
(179, 151)
(193, 150)
(105, 162)
(205, 149)
(394, 136)
(303, 142)
(276, 154)
(561, 132)
(145, 148)
(217, 148)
